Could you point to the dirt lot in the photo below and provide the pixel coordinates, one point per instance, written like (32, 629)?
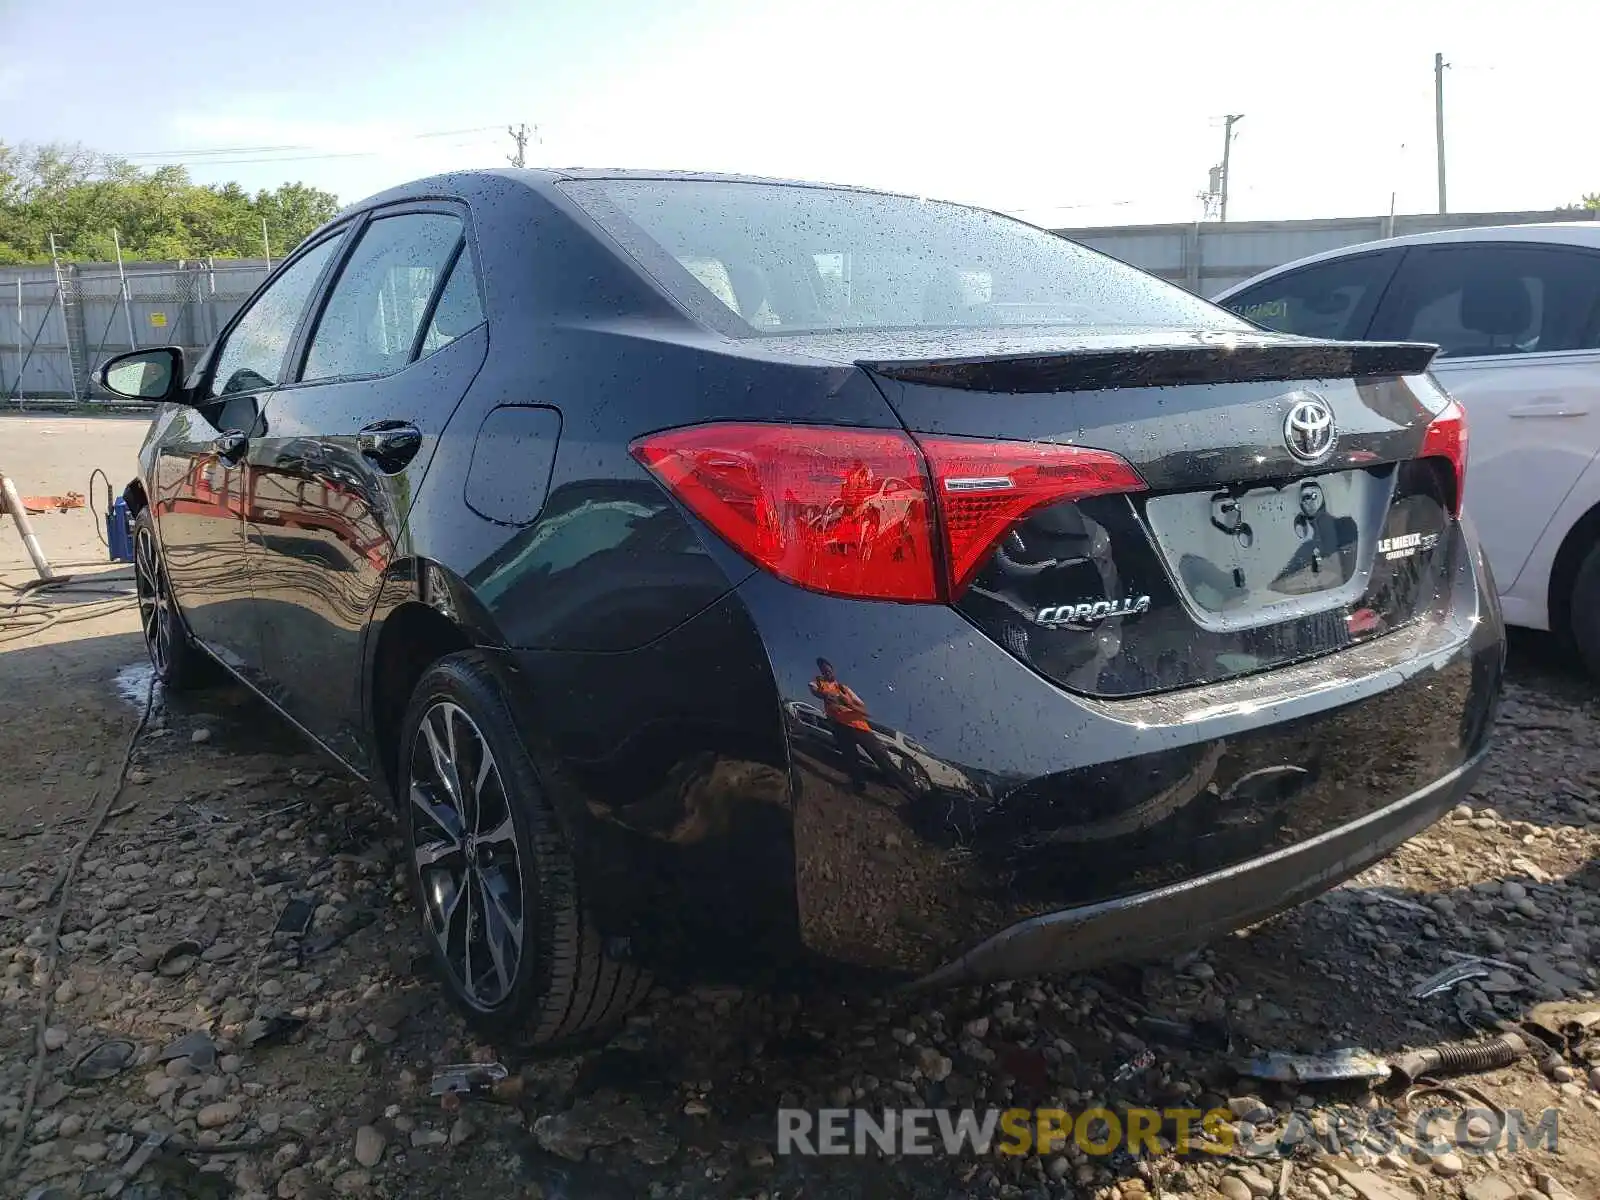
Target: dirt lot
(305, 1063)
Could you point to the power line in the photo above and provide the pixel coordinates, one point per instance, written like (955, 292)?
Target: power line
(194, 153)
(291, 158)
(453, 132)
(1011, 212)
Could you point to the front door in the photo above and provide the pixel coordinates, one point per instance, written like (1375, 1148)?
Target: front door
(202, 479)
(397, 342)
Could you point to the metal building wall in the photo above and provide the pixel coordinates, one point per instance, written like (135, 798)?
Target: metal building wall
(63, 332)
(1209, 256)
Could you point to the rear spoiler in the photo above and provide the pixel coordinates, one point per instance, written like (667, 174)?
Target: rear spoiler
(1162, 366)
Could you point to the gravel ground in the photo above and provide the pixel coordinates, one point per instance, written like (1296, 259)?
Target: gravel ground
(282, 1065)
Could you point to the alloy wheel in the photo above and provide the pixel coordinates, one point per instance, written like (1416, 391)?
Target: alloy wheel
(465, 852)
(155, 601)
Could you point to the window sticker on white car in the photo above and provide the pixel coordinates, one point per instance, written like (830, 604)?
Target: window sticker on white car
(1264, 310)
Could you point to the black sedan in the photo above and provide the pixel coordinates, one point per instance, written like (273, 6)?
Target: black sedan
(720, 573)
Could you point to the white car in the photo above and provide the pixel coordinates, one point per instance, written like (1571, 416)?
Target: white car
(1515, 312)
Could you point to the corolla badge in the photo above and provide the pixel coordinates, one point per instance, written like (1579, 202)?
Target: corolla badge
(1308, 429)
(1089, 613)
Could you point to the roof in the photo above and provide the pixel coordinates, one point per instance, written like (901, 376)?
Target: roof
(466, 183)
(551, 175)
(1552, 233)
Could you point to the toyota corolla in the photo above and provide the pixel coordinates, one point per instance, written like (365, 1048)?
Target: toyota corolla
(551, 502)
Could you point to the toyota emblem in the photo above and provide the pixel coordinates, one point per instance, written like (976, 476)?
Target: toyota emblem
(1308, 429)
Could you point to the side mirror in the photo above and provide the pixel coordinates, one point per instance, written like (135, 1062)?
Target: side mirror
(154, 376)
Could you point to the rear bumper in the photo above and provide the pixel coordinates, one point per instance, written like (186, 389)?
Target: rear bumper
(1003, 825)
(1192, 912)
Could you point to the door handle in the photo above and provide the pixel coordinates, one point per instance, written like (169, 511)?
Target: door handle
(389, 444)
(231, 446)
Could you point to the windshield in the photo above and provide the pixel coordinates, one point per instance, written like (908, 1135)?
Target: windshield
(792, 259)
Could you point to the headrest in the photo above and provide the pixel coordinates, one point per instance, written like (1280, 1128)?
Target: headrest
(1496, 305)
(749, 289)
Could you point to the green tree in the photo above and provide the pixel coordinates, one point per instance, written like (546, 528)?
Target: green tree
(160, 213)
(292, 211)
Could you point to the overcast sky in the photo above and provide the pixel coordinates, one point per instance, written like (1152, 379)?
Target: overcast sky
(1070, 113)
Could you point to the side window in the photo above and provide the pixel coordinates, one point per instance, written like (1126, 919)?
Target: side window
(252, 356)
(1477, 300)
(377, 305)
(459, 309)
(1331, 299)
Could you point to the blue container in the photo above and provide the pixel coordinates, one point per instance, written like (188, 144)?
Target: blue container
(119, 532)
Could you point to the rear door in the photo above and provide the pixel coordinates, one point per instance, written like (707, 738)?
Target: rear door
(204, 488)
(1518, 330)
(398, 339)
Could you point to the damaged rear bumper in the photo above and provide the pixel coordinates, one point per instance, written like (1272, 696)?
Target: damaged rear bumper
(1189, 913)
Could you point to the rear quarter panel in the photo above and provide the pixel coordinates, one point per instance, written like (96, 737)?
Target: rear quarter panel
(642, 688)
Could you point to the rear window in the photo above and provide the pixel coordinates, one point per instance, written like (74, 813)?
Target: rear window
(790, 259)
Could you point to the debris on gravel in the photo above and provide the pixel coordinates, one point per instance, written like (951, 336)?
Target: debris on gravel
(299, 1064)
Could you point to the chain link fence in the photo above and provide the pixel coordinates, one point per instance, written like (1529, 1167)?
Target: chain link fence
(57, 325)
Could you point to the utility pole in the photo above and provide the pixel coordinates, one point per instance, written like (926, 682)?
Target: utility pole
(1439, 65)
(1228, 122)
(519, 135)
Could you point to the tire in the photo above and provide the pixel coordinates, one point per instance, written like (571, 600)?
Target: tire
(180, 665)
(1583, 617)
(486, 851)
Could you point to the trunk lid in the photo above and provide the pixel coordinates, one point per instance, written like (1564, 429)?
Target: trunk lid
(1255, 545)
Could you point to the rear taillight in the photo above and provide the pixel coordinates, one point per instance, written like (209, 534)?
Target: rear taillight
(843, 511)
(985, 488)
(859, 512)
(1447, 438)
